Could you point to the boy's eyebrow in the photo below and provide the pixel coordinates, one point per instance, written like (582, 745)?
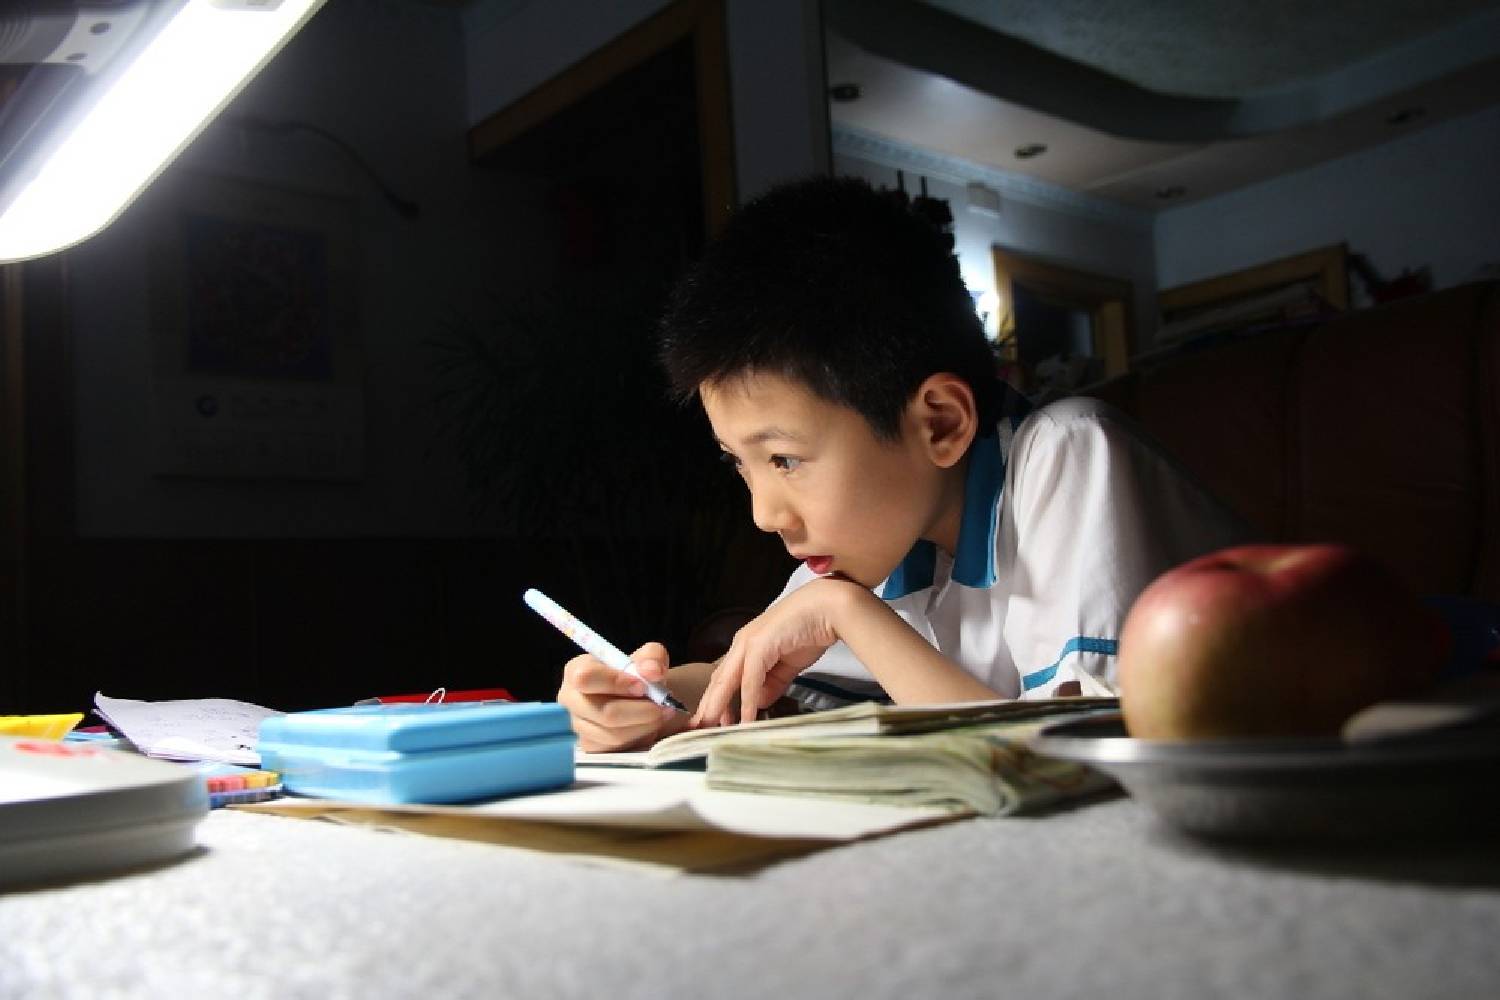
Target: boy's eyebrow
(765, 434)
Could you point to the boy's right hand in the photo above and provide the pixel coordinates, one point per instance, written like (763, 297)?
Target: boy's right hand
(609, 707)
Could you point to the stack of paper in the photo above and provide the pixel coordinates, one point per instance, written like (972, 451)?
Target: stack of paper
(987, 769)
(863, 719)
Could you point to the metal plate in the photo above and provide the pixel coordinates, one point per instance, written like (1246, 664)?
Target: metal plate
(70, 809)
(1296, 790)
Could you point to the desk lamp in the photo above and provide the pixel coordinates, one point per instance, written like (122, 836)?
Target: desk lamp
(99, 95)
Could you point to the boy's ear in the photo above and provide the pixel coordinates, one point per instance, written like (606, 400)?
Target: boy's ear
(946, 417)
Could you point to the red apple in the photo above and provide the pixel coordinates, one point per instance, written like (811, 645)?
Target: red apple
(1272, 640)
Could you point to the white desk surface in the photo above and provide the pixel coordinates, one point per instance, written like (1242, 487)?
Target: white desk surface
(1097, 902)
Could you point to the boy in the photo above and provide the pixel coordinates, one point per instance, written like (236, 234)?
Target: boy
(953, 546)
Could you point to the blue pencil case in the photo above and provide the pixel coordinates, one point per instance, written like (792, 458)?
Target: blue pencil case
(432, 753)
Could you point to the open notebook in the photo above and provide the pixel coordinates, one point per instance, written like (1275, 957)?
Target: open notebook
(863, 719)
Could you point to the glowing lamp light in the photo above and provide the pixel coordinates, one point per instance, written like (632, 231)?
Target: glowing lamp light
(988, 307)
(180, 79)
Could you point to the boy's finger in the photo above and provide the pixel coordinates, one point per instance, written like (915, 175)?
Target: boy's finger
(726, 683)
(649, 667)
(704, 701)
(622, 713)
(613, 722)
(777, 680)
(594, 738)
(701, 712)
(711, 705)
(592, 677)
(750, 684)
(652, 660)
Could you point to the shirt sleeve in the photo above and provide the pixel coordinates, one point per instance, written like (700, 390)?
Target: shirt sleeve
(1097, 514)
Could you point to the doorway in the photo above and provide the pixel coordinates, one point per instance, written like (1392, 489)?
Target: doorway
(1060, 328)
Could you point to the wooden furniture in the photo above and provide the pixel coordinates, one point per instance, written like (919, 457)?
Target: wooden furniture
(1379, 428)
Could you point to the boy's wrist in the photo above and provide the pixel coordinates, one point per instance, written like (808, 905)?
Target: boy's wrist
(852, 602)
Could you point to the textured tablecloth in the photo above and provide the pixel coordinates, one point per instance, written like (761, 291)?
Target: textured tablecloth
(1098, 901)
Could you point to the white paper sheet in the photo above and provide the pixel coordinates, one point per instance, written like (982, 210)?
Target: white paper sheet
(216, 729)
(671, 800)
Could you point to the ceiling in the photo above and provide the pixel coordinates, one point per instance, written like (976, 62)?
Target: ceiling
(1153, 103)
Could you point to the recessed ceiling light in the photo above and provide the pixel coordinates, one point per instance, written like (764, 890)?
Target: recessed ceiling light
(844, 92)
(1030, 150)
(1171, 191)
(1405, 115)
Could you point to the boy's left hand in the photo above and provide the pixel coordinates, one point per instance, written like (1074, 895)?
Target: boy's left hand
(772, 649)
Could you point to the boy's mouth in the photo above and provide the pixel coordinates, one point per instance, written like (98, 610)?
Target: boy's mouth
(819, 564)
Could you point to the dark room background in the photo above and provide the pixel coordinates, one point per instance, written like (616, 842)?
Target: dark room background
(301, 426)
(373, 355)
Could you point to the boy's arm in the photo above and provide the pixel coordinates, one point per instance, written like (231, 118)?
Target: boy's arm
(907, 666)
(1102, 513)
(793, 633)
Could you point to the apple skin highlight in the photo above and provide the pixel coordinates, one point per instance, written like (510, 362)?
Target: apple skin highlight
(1272, 641)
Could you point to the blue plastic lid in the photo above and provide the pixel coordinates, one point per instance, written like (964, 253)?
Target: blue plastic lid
(407, 727)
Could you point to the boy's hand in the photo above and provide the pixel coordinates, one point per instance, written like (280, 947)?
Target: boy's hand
(609, 707)
(771, 650)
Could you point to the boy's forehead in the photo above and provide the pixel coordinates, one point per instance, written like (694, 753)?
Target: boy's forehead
(765, 408)
(760, 406)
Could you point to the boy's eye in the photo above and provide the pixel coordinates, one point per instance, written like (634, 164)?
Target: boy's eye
(785, 463)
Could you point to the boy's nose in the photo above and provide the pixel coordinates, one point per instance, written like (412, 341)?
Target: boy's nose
(769, 512)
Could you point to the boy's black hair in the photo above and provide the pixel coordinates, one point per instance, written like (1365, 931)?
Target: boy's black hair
(838, 287)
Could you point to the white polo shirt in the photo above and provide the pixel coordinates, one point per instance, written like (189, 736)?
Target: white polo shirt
(1068, 515)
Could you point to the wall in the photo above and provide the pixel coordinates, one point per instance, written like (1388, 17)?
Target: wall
(387, 78)
(775, 70)
(1037, 219)
(777, 82)
(290, 594)
(513, 46)
(299, 594)
(1428, 199)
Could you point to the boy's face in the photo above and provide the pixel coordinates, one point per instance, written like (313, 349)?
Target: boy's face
(842, 499)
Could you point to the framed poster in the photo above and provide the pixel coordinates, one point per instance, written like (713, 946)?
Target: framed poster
(257, 364)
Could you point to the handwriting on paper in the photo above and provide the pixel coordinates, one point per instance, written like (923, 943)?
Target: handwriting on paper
(217, 729)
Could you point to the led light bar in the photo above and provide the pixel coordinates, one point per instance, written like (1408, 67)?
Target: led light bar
(180, 79)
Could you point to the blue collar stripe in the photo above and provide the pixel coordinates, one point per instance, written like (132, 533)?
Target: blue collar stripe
(1077, 644)
(974, 563)
(914, 572)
